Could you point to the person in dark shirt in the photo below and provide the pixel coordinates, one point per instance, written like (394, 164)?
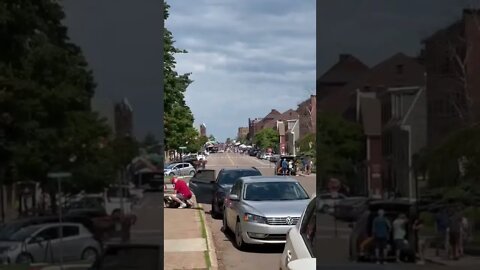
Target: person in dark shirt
(284, 167)
(441, 222)
(381, 230)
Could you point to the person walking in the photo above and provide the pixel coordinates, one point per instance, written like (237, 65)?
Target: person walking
(381, 230)
(399, 234)
(290, 167)
(284, 167)
(441, 227)
(455, 233)
(422, 244)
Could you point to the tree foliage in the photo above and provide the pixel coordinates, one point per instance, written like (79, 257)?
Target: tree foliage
(267, 138)
(178, 118)
(45, 92)
(307, 145)
(340, 145)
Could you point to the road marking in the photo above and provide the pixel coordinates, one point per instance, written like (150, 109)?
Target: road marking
(184, 245)
(231, 160)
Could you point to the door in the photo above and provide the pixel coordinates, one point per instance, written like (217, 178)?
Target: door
(185, 168)
(231, 206)
(202, 185)
(176, 170)
(44, 245)
(71, 243)
(299, 236)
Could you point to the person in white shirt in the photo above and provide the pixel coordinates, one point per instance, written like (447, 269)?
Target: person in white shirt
(399, 233)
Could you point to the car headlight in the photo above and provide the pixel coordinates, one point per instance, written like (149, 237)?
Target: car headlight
(254, 218)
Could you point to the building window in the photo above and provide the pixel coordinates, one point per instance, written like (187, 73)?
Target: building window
(399, 69)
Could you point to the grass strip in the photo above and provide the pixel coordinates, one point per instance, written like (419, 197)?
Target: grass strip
(204, 235)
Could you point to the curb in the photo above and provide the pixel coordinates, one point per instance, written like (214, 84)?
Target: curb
(210, 244)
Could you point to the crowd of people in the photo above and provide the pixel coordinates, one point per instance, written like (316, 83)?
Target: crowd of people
(451, 232)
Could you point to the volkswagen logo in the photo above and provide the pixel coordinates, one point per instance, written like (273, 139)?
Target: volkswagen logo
(289, 221)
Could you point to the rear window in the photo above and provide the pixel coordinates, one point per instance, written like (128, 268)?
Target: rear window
(229, 177)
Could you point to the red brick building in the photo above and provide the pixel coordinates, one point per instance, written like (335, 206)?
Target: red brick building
(452, 63)
(307, 113)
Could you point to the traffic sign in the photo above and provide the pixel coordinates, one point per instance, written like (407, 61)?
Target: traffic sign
(182, 147)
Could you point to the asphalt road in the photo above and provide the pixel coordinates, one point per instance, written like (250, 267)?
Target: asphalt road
(261, 257)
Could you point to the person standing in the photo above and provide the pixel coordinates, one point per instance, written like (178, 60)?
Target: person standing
(422, 244)
(455, 234)
(284, 167)
(290, 167)
(399, 234)
(381, 230)
(441, 226)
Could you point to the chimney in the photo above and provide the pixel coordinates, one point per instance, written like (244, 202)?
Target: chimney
(344, 57)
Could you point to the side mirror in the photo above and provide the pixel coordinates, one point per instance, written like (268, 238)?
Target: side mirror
(233, 197)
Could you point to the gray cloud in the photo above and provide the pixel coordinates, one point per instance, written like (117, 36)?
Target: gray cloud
(247, 57)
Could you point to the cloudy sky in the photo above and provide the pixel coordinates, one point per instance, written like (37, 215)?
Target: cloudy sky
(373, 30)
(122, 41)
(246, 58)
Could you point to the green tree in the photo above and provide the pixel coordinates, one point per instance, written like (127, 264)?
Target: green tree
(267, 138)
(178, 118)
(212, 138)
(46, 88)
(340, 147)
(307, 145)
(150, 140)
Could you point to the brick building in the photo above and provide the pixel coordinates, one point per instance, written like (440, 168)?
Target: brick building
(123, 115)
(452, 63)
(203, 130)
(307, 113)
(242, 132)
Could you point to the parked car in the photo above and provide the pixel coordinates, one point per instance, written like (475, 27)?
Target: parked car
(327, 202)
(42, 243)
(300, 239)
(261, 210)
(213, 190)
(304, 264)
(350, 208)
(361, 235)
(180, 169)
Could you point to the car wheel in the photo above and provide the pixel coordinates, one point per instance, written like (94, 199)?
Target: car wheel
(24, 258)
(89, 254)
(239, 243)
(192, 173)
(214, 212)
(225, 228)
(171, 174)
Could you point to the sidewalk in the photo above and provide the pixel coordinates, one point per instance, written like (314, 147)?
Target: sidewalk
(465, 261)
(187, 241)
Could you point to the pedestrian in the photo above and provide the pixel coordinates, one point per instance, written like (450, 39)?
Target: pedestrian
(399, 234)
(455, 233)
(290, 167)
(284, 166)
(441, 226)
(182, 192)
(419, 229)
(465, 234)
(381, 230)
(310, 167)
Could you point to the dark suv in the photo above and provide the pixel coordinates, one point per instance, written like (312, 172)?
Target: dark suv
(210, 190)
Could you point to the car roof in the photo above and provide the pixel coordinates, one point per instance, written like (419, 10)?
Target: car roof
(239, 169)
(268, 179)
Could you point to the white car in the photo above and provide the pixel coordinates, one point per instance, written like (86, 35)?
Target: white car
(303, 264)
(300, 239)
(267, 156)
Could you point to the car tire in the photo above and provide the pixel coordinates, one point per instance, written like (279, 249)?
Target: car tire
(239, 243)
(24, 258)
(225, 228)
(215, 214)
(172, 174)
(89, 254)
(192, 173)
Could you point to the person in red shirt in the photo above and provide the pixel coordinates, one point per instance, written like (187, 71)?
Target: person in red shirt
(182, 192)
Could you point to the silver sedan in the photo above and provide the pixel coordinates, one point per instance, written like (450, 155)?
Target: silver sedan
(261, 210)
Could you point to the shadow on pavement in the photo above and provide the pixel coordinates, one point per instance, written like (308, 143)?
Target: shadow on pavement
(265, 249)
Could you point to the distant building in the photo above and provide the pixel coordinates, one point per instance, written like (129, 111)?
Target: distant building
(307, 113)
(203, 130)
(123, 119)
(242, 132)
(453, 87)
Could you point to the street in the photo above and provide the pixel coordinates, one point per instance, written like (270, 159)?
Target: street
(261, 257)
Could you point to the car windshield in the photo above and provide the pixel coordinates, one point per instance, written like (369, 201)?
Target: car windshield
(170, 166)
(22, 234)
(274, 191)
(229, 177)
